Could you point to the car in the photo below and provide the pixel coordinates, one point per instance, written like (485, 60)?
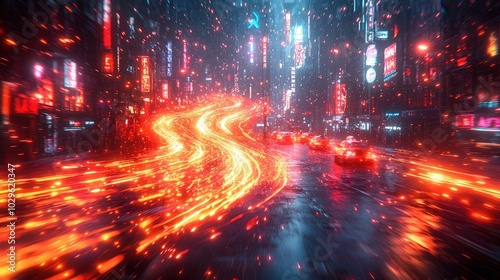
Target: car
(274, 135)
(320, 143)
(284, 138)
(305, 137)
(354, 151)
(296, 137)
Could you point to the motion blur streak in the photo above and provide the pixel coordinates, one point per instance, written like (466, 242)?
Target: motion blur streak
(118, 208)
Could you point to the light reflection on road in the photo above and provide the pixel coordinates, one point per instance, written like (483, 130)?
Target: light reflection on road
(86, 210)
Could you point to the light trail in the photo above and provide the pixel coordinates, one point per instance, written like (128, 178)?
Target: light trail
(209, 164)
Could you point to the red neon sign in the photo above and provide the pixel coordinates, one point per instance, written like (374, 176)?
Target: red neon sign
(145, 78)
(106, 25)
(339, 99)
(390, 60)
(107, 63)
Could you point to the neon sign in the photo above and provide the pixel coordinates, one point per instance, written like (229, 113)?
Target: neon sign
(390, 62)
(165, 90)
(106, 26)
(288, 37)
(264, 52)
(184, 55)
(145, 78)
(253, 22)
(169, 59)
(69, 74)
(251, 49)
(107, 62)
(339, 99)
(370, 21)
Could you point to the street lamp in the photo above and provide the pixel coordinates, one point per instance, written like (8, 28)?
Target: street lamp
(423, 47)
(431, 74)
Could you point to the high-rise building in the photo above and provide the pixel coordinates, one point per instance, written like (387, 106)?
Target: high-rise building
(471, 72)
(49, 74)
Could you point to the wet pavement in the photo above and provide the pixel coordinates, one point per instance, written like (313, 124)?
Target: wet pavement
(329, 222)
(209, 208)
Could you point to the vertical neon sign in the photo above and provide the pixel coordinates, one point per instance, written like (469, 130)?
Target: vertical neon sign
(264, 52)
(185, 64)
(339, 99)
(165, 90)
(251, 50)
(288, 37)
(390, 62)
(107, 63)
(370, 21)
(69, 74)
(145, 78)
(106, 25)
(169, 59)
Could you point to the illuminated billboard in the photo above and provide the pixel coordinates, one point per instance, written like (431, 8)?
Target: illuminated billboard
(371, 55)
(370, 21)
(106, 24)
(25, 105)
(339, 98)
(288, 100)
(371, 75)
(298, 36)
(264, 52)
(38, 70)
(464, 120)
(288, 37)
(185, 62)
(165, 90)
(390, 62)
(251, 47)
(145, 75)
(169, 59)
(300, 55)
(491, 123)
(107, 63)
(69, 74)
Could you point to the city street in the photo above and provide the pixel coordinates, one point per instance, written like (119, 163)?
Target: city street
(250, 139)
(215, 202)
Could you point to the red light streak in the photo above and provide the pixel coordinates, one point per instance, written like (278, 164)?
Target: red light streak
(209, 164)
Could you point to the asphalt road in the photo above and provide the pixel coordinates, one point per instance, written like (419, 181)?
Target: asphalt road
(384, 221)
(216, 203)
(351, 222)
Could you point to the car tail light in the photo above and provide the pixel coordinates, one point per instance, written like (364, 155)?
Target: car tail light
(370, 155)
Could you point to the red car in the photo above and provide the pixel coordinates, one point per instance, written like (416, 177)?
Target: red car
(320, 143)
(354, 151)
(285, 138)
(305, 137)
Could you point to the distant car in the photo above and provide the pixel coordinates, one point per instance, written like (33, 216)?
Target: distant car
(274, 135)
(305, 137)
(320, 143)
(354, 151)
(284, 138)
(296, 137)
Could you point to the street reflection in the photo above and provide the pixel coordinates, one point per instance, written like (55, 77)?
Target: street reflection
(96, 212)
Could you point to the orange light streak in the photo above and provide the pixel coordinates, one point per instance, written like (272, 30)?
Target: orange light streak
(207, 165)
